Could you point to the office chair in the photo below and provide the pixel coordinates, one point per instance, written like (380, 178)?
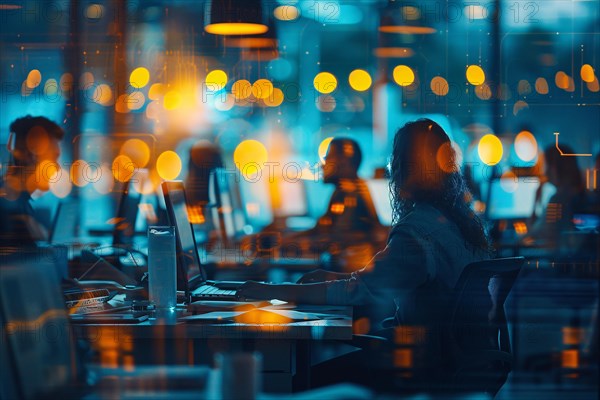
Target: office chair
(473, 341)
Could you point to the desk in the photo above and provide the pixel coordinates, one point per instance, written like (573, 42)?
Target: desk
(170, 340)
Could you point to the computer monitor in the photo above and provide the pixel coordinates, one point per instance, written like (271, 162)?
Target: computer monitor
(66, 220)
(380, 193)
(188, 262)
(512, 199)
(221, 203)
(124, 227)
(291, 199)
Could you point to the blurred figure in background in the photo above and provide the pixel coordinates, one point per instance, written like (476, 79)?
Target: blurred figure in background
(565, 175)
(34, 146)
(350, 223)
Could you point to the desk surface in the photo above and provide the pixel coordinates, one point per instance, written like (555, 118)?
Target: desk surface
(335, 323)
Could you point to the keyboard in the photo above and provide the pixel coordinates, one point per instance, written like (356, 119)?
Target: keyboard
(213, 291)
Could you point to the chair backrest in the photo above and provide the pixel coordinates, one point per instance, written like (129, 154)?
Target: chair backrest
(478, 333)
(37, 338)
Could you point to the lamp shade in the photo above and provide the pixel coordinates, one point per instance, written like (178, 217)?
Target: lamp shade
(234, 17)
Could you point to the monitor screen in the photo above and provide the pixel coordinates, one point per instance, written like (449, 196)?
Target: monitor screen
(126, 216)
(188, 261)
(380, 193)
(290, 199)
(512, 199)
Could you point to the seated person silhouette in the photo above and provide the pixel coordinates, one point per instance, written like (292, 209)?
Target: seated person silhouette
(205, 158)
(350, 217)
(564, 174)
(34, 147)
(435, 234)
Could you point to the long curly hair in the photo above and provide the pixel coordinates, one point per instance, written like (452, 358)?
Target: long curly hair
(424, 169)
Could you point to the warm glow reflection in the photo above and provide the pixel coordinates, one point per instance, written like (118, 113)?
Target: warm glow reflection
(34, 78)
(524, 88)
(46, 172)
(236, 28)
(121, 104)
(520, 105)
(66, 82)
(490, 149)
(541, 85)
(86, 80)
(526, 146)
(123, 168)
(483, 91)
(262, 88)
(403, 75)
(360, 80)
(407, 29)
(326, 103)
(224, 102)
(325, 82)
(216, 80)
(323, 147)
(103, 181)
(241, 89)
(51, 87)
(439, 86)
(393, 52)
(249, 157)
(593, 86)
(475, 75)
(587, 73)
(139, 77)
(138, 152)
(168, 165)
(172, 100)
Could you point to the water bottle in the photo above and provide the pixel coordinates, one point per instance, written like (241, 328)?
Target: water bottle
(162, 267)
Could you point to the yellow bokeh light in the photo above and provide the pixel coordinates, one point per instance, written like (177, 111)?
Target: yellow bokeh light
(139, 77)
(475, 75)
(103, 95)
(216, 80)
(490, 149)
(403, 75)
(249, 157)
(138, 152)
(541, 85)
(286, 13)
(236, 28)
(262, 89)
(172, 100)
(123, 168)
(587, 73)
(81, 173)
(439, 86)
(275, 99)
(34, 78)
(168, 165)
(360, 80)
(241, 89)
(526, 146)
(325, 82)
(156, 91)
(323, 147)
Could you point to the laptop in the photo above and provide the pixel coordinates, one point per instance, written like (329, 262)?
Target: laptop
(38, 349)
(191, 276)
(380, 193)
(510, 199)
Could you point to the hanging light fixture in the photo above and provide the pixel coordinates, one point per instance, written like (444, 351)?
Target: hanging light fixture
(234, 17)
(404, 19)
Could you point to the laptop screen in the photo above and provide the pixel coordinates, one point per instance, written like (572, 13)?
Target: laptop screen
(188, 262)
(380, 193)
(510, 199)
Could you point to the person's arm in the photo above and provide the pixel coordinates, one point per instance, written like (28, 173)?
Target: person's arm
(403, 265)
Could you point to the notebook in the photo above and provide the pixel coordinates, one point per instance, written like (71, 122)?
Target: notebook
(191, 276)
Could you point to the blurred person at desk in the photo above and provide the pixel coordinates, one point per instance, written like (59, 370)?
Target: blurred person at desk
(351, 217)
(569, 198)
(34, 147)
(435, 234)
